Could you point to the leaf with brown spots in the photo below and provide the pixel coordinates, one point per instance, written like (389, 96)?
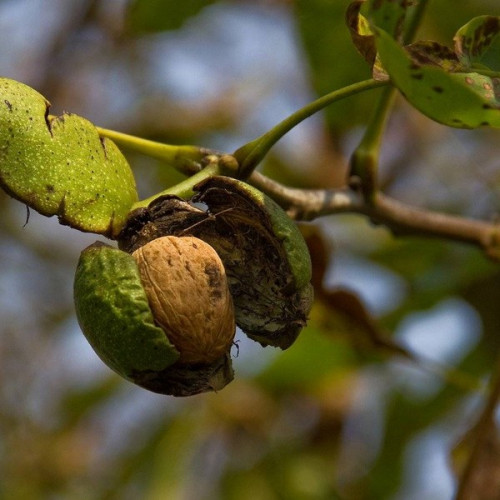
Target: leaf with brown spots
(388, 15)
(60, 166)
(461, 100)
(477, 43)
(431, 53)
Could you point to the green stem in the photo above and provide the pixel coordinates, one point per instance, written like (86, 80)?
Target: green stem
(185, 159)
(183, 189)
(252, 153)
(365, 158)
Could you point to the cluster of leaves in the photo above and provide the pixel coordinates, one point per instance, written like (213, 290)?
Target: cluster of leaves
(290, 428)
(457, 87)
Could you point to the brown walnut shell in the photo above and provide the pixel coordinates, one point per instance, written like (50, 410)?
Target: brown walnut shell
(185, 282)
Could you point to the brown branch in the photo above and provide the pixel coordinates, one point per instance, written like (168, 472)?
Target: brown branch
(400, 218)
(405, 219)
(308, 204)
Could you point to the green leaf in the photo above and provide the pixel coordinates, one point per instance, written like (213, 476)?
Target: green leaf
(60, 166)
(146, 16)
(462, 100)
(477, 44)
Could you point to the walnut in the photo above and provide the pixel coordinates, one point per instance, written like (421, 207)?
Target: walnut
(186, 285)
(161, 308)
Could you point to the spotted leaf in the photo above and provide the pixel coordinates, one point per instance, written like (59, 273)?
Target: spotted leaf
(60, 166)
(388, 15)
(463, 100)
(477, 44)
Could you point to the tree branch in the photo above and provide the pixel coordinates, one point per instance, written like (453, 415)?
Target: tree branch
(405, 219)
(400, 218)
(309, 204)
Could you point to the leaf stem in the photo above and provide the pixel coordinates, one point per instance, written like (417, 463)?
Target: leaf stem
(252, 153)
(185, 159)
(415, 20)
(364, 160)
(183, 189)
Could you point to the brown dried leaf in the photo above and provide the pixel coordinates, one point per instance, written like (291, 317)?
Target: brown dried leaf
(360, 32)
(346, 305)
(476, 457)
(477, 462)
(430, 53)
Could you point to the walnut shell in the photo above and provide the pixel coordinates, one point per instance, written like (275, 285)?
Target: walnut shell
(186, 285)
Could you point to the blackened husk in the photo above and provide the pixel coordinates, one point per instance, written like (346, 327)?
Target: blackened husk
(268, 307)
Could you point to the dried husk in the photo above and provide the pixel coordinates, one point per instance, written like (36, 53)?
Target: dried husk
(266, 260)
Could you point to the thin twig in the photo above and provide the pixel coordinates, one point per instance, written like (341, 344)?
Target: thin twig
(252, 153)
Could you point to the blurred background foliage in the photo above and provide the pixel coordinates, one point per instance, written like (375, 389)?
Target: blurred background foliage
(382, 385)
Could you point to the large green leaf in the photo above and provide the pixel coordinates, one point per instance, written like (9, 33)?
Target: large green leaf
(60, 166)
(462, 100)
(146, 16)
